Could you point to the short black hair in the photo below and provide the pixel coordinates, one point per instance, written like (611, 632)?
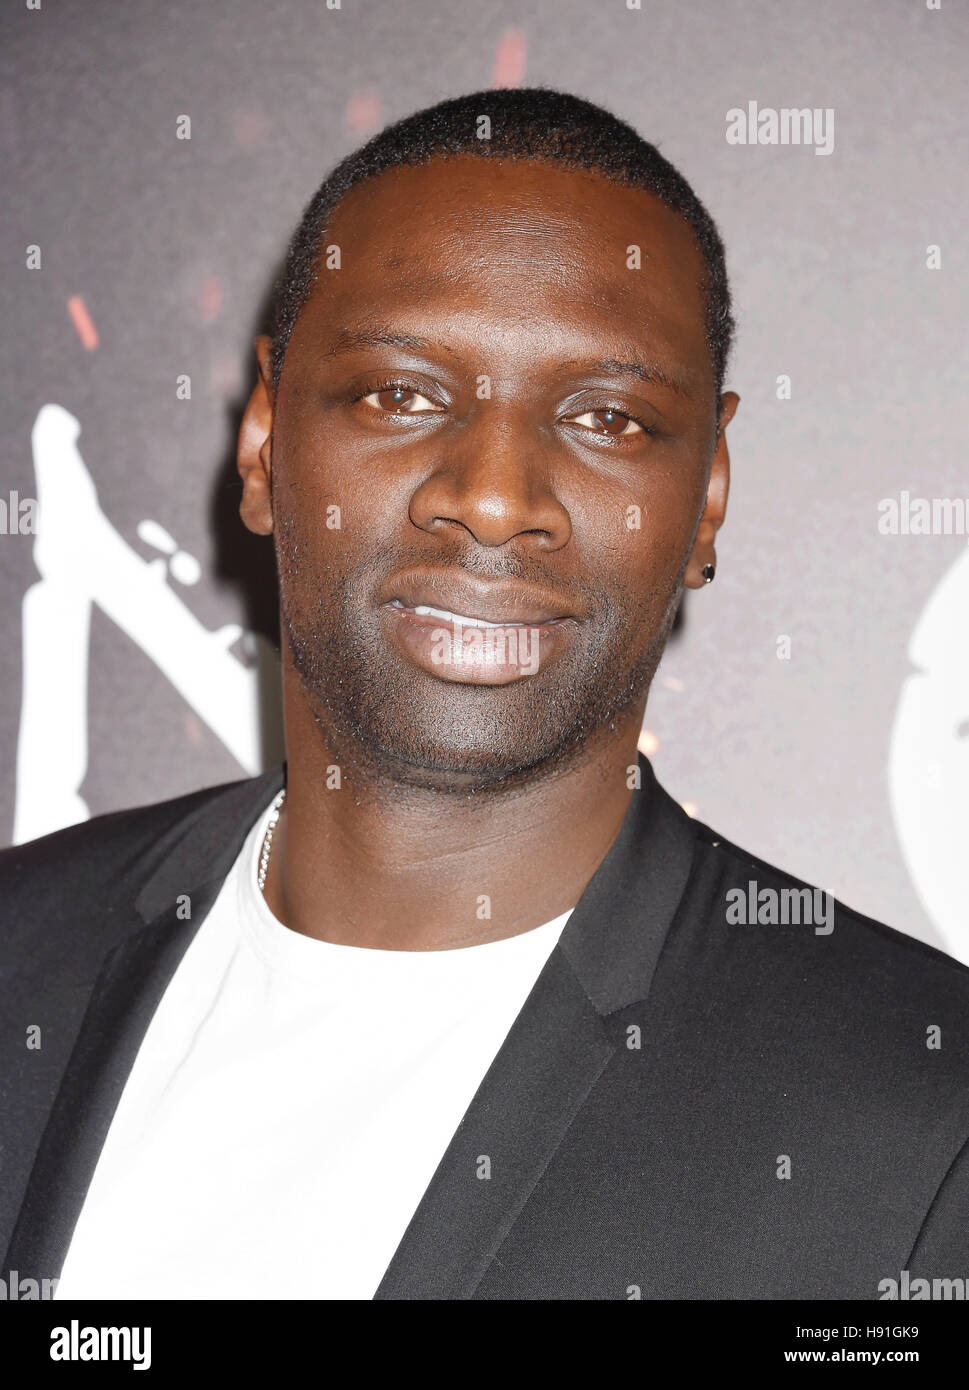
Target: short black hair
(526, 123)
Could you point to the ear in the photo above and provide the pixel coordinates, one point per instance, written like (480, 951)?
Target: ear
(715, 508)
(254, 455)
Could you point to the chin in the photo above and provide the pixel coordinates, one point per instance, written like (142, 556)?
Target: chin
(440, 764)
(422, 758)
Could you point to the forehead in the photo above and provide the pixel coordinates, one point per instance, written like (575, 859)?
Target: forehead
(494, 243)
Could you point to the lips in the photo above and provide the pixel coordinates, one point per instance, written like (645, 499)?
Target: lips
(426, 610)
(459, 597)
(475, 632)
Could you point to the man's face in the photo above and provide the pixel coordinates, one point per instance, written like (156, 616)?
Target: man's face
(455, 430)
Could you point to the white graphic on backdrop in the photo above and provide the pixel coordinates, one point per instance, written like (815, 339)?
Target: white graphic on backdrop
(929, 759)
(82, 561)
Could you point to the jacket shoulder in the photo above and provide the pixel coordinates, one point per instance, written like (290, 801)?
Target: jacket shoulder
(98, 866)
(817, 968)
(105, 841)
(867, 939)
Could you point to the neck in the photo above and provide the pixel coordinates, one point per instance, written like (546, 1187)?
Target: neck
(380, 862)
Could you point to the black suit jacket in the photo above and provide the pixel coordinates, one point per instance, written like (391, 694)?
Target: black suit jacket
(666, 1071)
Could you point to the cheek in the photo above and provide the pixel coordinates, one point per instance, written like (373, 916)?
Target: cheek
(315, 512)
(644, 529)
(312, 548)
(328, 491)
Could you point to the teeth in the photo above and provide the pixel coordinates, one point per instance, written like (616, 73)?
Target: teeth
(425, 611)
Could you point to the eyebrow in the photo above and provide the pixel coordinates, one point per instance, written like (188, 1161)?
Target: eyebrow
(645, 371)
(351, 338)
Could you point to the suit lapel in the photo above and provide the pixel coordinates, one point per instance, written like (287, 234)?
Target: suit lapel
(132, 980)
(552, 1057)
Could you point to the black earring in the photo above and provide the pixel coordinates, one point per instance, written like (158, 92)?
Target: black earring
(708, 572)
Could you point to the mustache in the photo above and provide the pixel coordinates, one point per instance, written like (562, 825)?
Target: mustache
(384, 561)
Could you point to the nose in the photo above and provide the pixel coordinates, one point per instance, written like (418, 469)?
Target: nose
(494, 479)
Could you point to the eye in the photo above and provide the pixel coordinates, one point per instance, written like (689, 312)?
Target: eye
(395, 398)
(609, 421)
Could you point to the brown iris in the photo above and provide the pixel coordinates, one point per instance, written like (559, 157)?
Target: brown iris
(396, 394)
(612, 417)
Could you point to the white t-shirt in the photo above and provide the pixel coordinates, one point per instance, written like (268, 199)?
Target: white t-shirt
(288, 1106)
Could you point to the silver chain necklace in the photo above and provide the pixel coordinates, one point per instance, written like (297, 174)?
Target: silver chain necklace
(268, 839)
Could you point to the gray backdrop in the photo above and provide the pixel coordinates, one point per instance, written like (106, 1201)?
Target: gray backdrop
(846, 763)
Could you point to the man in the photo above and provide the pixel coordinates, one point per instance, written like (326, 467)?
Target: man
(460, 1003)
